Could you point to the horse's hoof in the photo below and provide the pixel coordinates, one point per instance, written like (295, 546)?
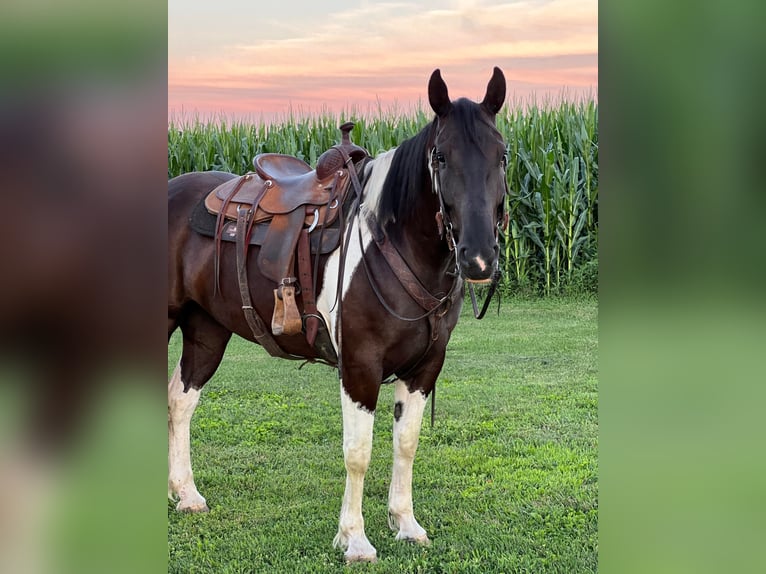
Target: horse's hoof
(360, 550)
(419, 540)
(370, 558)
(198, 507)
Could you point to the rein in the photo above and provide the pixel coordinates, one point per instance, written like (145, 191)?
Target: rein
(404, 274)
(492, 287)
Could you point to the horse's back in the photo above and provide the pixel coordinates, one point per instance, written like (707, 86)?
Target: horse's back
(185, 192)
(185, 247)
(195, 183)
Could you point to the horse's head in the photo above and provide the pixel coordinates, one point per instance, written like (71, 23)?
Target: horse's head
(467, 163)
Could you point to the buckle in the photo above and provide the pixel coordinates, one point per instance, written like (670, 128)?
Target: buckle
(289, 282)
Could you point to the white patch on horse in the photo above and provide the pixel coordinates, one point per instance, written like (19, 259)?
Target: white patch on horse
(357, 447)
(181, 408)
(376, 172)
(480, 262)
(406, 435)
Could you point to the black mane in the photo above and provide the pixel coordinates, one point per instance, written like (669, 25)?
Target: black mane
(406, 177)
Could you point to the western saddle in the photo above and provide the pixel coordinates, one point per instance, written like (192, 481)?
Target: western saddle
(293, 201)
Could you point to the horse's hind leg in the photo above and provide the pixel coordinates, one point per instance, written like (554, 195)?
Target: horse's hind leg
(204, 343)
(408, 415)
(180, 478)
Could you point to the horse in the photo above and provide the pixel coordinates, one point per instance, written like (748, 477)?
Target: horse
(428, 219)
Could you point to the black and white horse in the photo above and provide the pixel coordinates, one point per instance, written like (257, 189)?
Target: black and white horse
(433, 205)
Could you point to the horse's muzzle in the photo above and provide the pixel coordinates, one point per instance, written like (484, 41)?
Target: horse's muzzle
(478, 267)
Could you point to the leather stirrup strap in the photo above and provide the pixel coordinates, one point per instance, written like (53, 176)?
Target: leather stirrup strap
(307, 288)
(219, 230)
(261, 334)
(256, 203)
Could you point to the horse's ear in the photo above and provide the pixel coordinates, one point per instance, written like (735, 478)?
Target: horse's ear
(437, 94)
(495, 96)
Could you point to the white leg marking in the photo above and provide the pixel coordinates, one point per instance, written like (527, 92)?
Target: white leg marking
(180, 478)
(357, 447)
(30, 498)
(406, 434)
(376, 171)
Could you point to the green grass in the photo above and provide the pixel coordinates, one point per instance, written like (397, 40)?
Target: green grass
(506, 481)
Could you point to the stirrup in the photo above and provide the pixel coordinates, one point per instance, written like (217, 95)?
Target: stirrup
(286, 319)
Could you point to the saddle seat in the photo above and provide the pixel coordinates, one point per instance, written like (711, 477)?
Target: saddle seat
(278, 166)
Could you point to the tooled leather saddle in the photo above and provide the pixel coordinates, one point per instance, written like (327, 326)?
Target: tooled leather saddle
(294, 211)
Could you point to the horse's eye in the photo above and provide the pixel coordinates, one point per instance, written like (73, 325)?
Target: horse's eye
(440, 157)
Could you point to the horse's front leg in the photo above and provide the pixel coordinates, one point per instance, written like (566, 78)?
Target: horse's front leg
(408, 415)
(357, 448)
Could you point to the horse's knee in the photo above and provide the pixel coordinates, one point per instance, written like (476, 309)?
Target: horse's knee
(407, 444)
(357, 456)
(181, 405)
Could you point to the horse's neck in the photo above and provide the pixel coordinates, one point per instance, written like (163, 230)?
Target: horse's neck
(421, 246)
(417, 239)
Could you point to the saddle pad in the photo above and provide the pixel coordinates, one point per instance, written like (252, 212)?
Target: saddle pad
(203, 222)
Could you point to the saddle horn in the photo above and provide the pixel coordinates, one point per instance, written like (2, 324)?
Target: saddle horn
(334, 158)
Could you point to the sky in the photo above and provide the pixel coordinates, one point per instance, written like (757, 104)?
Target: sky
(267, 58)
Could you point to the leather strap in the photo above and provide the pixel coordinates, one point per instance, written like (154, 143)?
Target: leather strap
(260, 332)
(346, 221)
(333, 198)
(401, 269)
(219, 229)
(407, 277)
(307, 288)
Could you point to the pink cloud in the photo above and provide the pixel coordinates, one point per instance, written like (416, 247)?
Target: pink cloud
(383, 53)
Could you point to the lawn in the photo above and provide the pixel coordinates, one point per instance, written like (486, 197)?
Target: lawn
(505, 481)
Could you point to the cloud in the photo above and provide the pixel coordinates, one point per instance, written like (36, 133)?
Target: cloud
(387, 50)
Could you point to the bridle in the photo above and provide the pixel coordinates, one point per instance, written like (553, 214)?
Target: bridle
(444, 225)
(443, 221)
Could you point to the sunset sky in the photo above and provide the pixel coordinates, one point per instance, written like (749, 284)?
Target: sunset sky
(261, 59)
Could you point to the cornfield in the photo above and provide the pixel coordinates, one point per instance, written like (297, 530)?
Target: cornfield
(551, 245)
